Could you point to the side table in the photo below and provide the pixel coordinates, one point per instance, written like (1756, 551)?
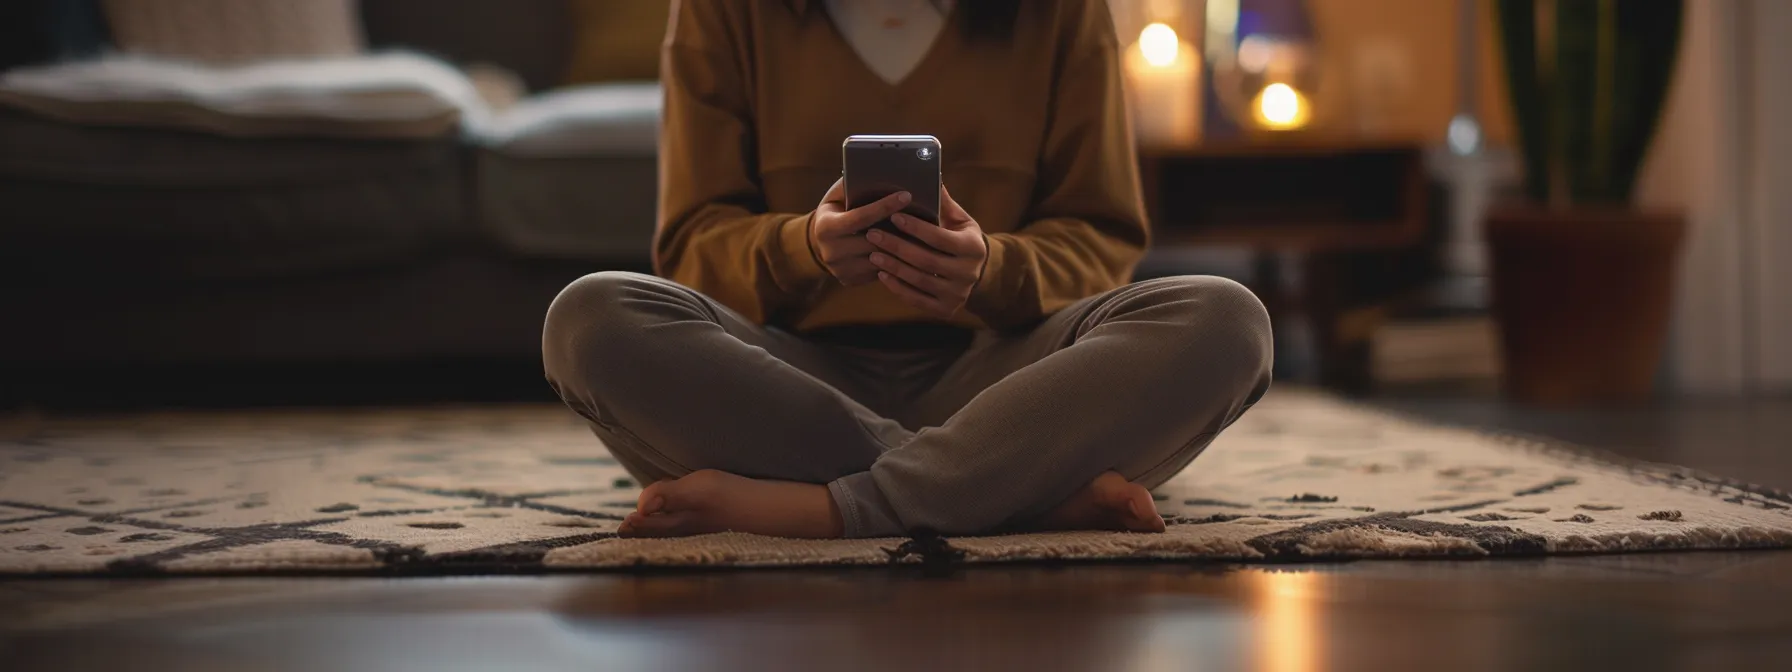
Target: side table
(1326, 204)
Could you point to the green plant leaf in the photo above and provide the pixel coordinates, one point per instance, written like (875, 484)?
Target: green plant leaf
(1648, 47)
(1517, 23)
(1577, 70)
(1587, 91)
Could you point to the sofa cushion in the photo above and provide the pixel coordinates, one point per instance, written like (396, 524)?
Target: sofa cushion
(98, 204)
(38, 148)
(586, 121)
(572, 174)
(394, 95)
(84, 234)
(596, 208)
(235, 31)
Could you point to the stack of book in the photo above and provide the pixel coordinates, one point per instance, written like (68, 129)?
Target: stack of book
(1446, 350)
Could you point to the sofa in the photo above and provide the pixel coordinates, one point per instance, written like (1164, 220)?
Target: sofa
(137, 244)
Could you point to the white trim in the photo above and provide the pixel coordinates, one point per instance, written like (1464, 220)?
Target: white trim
(1695, 166)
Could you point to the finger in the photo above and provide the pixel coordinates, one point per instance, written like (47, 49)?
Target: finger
(914, 297)
(864, 216)
(931, 262)
(927, 282)
(941, 238)
(936, 263)
(844, 247)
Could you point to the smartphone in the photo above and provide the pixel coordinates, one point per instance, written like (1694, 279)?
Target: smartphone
(875, 166)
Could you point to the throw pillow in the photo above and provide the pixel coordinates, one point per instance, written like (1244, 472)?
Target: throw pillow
(617, 41)
(384, 96)
(235, 31)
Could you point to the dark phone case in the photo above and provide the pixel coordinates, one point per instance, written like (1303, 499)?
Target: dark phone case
(879, 165)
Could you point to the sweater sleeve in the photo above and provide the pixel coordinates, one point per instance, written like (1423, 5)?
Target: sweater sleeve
(714, 233)
(1086, 229)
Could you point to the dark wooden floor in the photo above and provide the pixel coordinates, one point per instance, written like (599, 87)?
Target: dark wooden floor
(1686, 611)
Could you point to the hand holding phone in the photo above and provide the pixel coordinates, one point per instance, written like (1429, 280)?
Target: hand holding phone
(934, 267)
(890, 220)
(880, 176)
(837, 233)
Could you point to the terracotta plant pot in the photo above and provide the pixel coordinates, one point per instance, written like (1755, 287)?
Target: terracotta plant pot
(1582, 297)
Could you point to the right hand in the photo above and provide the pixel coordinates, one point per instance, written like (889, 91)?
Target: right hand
(837, 235)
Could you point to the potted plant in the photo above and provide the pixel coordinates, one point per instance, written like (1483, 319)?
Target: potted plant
(1582, 279)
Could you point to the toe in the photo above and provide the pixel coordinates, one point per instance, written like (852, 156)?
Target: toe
(1142, 511)
(666, 525)
(653, 498)
(1130, 502)
(690, 492)
(1112, 491)
(629, 524)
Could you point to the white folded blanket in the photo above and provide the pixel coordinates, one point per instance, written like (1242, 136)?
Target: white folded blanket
(391, 95)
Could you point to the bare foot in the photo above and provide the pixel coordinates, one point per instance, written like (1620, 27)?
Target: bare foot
(716, 501)
(1109, 502)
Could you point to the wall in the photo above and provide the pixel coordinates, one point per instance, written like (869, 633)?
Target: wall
(1724, 157)
(1417, 39)
(1768, 159)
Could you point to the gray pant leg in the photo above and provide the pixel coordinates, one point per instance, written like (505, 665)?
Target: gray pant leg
(1138, 380)
(674, 382)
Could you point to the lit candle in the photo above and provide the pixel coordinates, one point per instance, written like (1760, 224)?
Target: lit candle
(1281, 108)
(1164, 75)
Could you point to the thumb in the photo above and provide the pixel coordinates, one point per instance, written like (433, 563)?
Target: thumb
(836, 195)
(952, 215)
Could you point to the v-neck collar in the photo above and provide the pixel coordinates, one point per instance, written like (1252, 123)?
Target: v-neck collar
(901, 88)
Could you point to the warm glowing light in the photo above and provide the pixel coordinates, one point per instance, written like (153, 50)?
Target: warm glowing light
(1163, 81)
(1222, 16)
(1290, 629)
(1280, 107)
(1159, 44)
(1280, 104)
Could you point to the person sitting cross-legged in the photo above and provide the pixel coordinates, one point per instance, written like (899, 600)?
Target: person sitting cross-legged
(793, 373)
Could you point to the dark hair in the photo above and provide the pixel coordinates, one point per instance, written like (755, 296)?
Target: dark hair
(986, 19)
(989, 19)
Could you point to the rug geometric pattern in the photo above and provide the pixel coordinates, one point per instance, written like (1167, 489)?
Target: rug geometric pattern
(528, 488)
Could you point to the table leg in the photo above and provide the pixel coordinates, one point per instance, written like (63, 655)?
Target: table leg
(1342, 354)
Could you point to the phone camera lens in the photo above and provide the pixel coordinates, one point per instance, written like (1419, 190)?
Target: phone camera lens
(926, 153)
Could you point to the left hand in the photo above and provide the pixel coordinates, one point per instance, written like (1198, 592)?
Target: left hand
(937, 280)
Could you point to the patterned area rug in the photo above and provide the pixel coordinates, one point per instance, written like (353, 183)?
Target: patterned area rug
(495, 489)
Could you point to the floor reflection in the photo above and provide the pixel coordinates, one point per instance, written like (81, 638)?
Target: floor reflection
(1690, 611)
(1289, 633)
